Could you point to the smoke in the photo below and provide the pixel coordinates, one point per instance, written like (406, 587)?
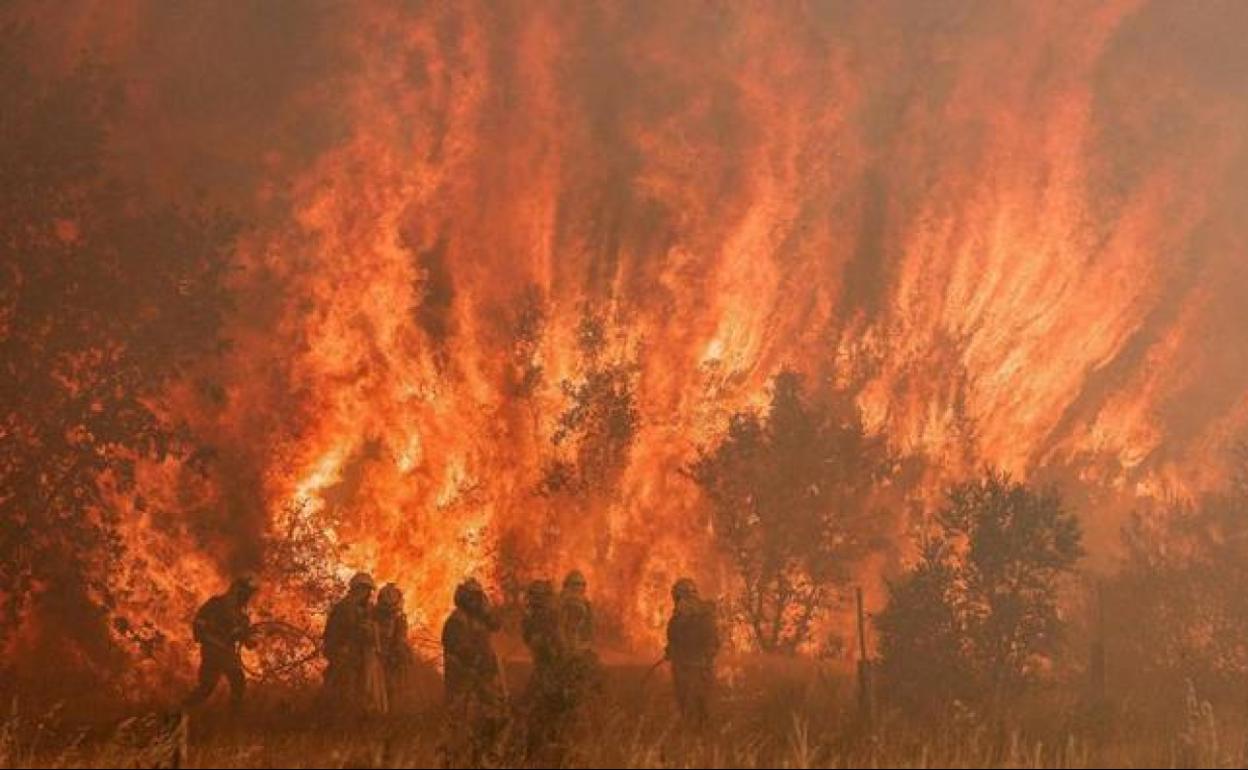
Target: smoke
(1014, 229)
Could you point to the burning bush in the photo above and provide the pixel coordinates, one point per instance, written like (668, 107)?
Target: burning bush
(103, 300)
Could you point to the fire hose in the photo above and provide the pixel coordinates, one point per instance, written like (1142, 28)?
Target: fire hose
(289, 630)
(645, 678)
(314, 647)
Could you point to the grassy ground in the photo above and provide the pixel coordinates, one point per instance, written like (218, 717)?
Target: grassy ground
(768, 715)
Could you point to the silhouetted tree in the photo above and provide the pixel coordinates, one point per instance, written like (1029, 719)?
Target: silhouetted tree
(601, 419)
(103, 299)
(1180, 592)
(923, 642)
(790, 499)
(525, 372)
(978, 610)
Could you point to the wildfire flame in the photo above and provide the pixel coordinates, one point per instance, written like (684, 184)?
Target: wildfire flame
(1011, 230)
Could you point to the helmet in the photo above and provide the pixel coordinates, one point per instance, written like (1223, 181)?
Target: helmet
(362, 580)
(390, 596)
(575, 579)
(684, 588)
(468, 594)
(244, 585)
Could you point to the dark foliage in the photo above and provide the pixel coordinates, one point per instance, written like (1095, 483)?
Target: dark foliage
(103, 299)
(1182, 579)
(601, 419)
(977, 614)
(790, 495)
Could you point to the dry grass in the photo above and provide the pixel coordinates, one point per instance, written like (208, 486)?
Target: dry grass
(767, 718)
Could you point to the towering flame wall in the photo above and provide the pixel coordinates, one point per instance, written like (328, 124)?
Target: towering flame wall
(509, 265)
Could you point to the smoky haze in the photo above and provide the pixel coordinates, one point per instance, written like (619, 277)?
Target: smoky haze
(501, 269)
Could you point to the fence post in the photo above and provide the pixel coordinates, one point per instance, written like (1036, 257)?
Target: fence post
(866, 684)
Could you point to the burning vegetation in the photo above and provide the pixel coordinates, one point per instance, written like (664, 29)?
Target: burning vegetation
(941, 301)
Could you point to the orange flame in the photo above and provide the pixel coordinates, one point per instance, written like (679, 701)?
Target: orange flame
(1006, 231)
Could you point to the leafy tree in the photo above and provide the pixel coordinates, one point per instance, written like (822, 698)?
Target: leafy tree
(978, 609)
(790, 496)
(103, 299)
(601, 419)
(922, 638)
(1182, 578)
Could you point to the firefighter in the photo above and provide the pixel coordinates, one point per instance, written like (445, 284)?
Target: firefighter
(541, 632)
(354, 682)
(221, 627)
(692, 644)
(576, 614)
(396, 651)
(545, 699)
(475, 691)
(582, 675)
